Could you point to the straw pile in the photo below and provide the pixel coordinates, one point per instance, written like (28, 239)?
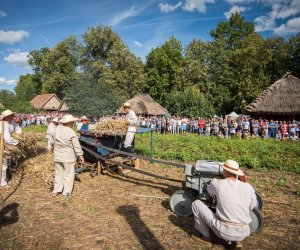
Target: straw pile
(42, 167)
(109, 126)
(28, 146)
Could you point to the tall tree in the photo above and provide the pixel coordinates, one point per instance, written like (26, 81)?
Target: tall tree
(109, 61)
(26, 87)
(294, 44)
(163, 68)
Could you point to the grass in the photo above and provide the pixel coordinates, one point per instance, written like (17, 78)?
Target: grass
(253, 153)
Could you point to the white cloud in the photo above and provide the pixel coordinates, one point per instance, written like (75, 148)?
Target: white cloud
(124, 15)
(280, 10)
(239, 1)
(196, 5)
(11, 37)
(291, 27)
(2, 14)
(138, 44)
(4, 81)
(166, 8)
(234, 9)
(18, 59)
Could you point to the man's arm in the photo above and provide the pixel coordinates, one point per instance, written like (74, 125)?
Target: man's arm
(253, 203)
(7, 136)
(132, 119)
(212, 187)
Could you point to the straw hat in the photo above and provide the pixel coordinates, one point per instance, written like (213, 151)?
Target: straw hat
(6, 113)
(233, 167)
(84, 118)
(126, 105)
(55, 120)
(67, 119)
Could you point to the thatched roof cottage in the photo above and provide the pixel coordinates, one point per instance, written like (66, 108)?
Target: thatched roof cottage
(48, 102)
(143, 104)
(281, 100)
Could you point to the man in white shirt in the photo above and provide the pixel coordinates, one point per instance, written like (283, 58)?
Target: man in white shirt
(132, 121)
(7, 120)
(235, 200)
(50, 131)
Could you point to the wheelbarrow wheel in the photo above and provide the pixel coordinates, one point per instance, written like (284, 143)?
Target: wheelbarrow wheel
(260, 202)
(181, 203)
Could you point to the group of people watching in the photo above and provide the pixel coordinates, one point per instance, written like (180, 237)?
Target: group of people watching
(242, 127)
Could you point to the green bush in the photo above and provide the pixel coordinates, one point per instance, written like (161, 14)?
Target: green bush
(253, 153)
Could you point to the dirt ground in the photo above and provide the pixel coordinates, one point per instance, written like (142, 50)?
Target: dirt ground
(112, 212)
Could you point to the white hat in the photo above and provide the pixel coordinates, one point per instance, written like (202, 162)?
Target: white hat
(84, 118)
(55, 120)
(67, 119)
(233, 167)
(6, 113)
(126, 105)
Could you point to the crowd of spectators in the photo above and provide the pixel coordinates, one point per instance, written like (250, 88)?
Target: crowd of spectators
(242, 127)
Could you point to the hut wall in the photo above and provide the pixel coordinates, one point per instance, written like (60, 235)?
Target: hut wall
(53, 104)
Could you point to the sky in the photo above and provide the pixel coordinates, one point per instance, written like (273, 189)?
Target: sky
(27, 25)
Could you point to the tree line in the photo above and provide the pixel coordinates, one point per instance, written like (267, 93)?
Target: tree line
(97, 73)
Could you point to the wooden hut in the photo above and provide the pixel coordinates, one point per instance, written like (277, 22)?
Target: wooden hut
(143, 104)
(64, 107)
(48, 102)
(279, 101)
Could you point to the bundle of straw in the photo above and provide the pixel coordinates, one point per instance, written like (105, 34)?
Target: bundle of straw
(109, 126)
(28, 146)
(42, 167)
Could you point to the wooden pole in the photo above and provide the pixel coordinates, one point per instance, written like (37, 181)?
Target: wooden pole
(1, 149)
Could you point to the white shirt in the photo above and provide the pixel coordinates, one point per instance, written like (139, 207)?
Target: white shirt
(7, 133)
(132, 119)
(235, 200)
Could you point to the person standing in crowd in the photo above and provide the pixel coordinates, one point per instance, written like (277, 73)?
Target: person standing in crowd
(50, 131)
(284, 131)
(201, 124)
(132, 121)
(66, 151)
(272, 129)
(235, 200)
(7, 119)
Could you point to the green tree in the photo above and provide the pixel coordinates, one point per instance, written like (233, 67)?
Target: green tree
(189, 102)
(26, 88)
(279, 59)
(108, 60)
(35, 60)
(9, 101)
(163, 68)
(91, 98)
(58, 67)
(294, 45)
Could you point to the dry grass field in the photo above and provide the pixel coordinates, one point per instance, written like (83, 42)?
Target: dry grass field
(113, 212)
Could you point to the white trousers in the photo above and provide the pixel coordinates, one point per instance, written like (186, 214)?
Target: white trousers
(4, 173)
(205, 219)
(49, 146)
(129, 139)
(64, 177)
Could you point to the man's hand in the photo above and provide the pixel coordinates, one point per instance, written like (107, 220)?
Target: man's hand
(81, 159)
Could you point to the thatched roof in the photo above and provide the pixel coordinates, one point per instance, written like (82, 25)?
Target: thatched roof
(46, 101)
(64, 107)
(233, 114)
(282, 98)
(143, 104)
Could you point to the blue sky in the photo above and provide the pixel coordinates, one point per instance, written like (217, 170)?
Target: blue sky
(26, 25)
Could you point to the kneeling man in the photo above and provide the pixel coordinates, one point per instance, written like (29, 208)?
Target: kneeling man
(235, 200)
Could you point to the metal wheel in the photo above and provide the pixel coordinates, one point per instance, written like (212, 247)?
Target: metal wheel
(181, 203)
(260, 202)
(257, 221)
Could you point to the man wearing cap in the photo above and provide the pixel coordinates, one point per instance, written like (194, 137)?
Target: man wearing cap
(83, 124)
(66, 149)
(7, 120)
(51, 127)
(132, 121)
(235, 200)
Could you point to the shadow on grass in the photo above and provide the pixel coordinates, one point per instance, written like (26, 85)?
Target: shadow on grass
(139, 228)
(9, 214)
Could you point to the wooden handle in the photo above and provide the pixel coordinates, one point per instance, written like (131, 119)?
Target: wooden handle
(1, 149)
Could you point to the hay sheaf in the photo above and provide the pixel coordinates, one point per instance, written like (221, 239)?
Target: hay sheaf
(42, 167)
(110, 126)
(28, 146)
